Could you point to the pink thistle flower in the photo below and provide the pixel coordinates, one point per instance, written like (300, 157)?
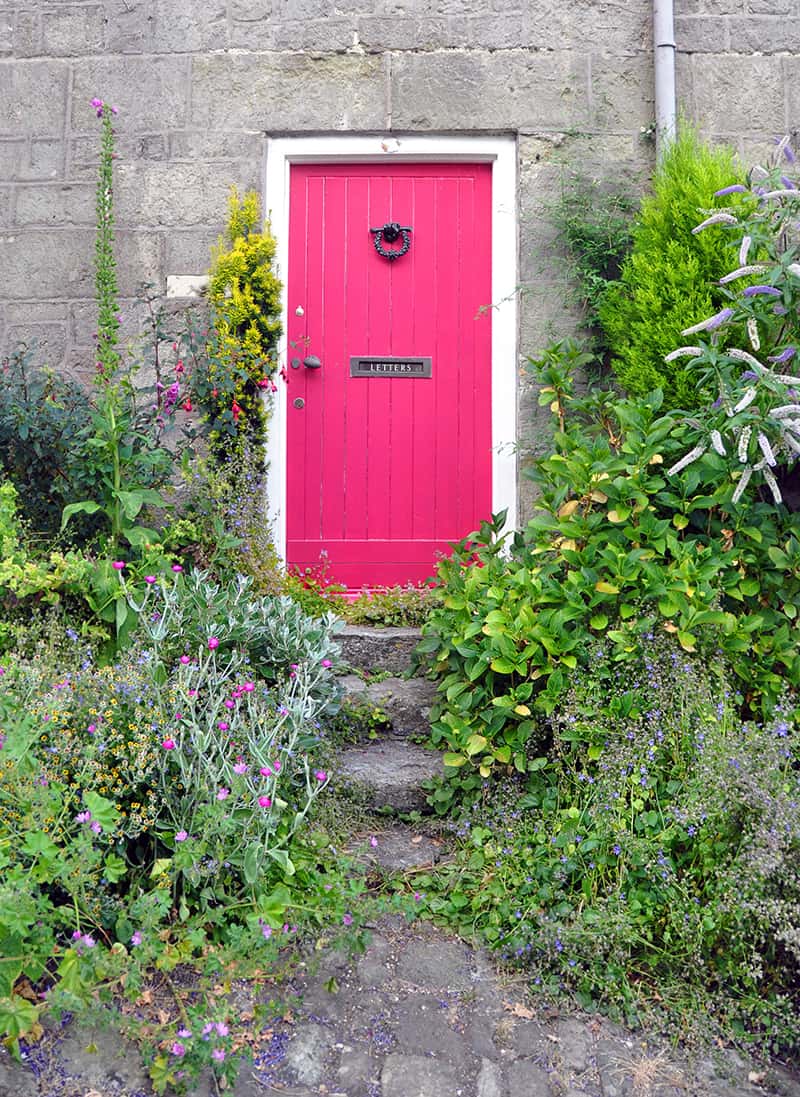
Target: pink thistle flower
(223, 794)
(265, 771)
(177, 568)
(213, 643)
(96, 103)
(168, 744)
(118, 565)
(150, 579)
(326, 663)
(321, 775)
(264, 802)
(248, 687)
(230, 704)
(276, 766)
(223, 726)
(185, 660)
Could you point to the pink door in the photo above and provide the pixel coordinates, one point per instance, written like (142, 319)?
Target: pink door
(389, 372)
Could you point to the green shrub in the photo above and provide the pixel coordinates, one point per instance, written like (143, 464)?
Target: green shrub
(653, 856)
(668, 280)
(616, 549)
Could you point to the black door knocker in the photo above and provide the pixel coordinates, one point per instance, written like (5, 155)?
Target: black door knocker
(390, 232)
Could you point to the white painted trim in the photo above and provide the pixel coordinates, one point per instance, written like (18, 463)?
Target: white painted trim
(501, 152)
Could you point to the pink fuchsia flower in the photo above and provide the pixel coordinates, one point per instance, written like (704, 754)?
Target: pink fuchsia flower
(150, 579)
(218, 1054)
(264, 802)
(321, 775)
(347, 920)
(118, 565)
(178, 1049)
(168, 744)
(223, 794)
(177, 568)
(181, 836)
(213, 643)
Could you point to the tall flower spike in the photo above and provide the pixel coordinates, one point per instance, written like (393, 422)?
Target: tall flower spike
(711, 323)
(743, 271)
(744, 442)
(715, 219)
(684, 352)
(687, 460)
(744, 480)
(752, 332)
(744, 250)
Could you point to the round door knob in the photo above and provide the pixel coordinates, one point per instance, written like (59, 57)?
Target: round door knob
(299, 402)
(312, 362)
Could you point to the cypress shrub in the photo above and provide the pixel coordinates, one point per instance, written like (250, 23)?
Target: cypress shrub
(668, 281)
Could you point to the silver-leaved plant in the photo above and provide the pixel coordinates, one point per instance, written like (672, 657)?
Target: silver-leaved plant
(755, 420)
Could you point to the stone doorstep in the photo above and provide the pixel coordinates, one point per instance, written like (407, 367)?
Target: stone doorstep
(371, 649)
(406, 701)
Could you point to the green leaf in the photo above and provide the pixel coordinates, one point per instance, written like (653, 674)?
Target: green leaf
(103, 811)
(599, 621)
(252, 860)
(17, 1016)
(78, 508)
(475, 745)
(115, 868)
(454, 760)
(281, 857)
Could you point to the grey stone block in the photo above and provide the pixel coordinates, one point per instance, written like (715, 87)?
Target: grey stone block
(490, 90)
(216, 145)
(129, 25)
(73, 31)
(529, 1039)
(13, 157)
(172, 194)
(32, 95)
(16, 1078)
(289, 92)
(526, 1079)
(84, 152)
(252, 10)
(772, 33)
(405, 701)
(399, 849)
(575, 1044)
(740, 95)
(392, 773)
(377, 964)
(702, 34)
(27, 35)
(188, 251)
(48, 341)
(184, 26)
(622, 92)
(46, 159)
(388, 649)
(442, 965)
(150, 92)
(357, 1072)
(416, 1076)
(55, 204)
(102, 1061)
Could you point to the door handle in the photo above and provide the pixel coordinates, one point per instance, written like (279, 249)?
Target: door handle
(312, 362)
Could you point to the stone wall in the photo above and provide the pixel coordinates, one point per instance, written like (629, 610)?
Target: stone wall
(201, 83)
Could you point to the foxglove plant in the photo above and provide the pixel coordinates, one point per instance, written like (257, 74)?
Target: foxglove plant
(754, 421)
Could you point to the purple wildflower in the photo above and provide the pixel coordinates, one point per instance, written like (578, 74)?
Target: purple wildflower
(784, 356)
(766, 291)
(734, 188)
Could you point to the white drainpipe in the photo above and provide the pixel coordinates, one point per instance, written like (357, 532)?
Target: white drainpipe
(664, 48)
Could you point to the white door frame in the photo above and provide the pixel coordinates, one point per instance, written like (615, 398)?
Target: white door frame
(501, 152)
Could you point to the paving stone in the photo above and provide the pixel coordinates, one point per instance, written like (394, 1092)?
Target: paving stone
(16, 1079)
(376, 965)
(530, 1039)
(490, 1080)
(436, 964)
(392, 773)
(308, 1052)
(102, 1060)
(526, 1079)
(357, 1071)
(421, 1025)
(406, 701)
(575, 1044)
(416, 1076)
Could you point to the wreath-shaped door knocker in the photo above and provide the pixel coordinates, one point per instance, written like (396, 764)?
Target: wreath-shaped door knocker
(390, 232)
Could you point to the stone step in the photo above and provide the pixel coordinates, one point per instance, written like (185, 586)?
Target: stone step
(406, 701)
(391, 772)
(382, 649)
(397, 848)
